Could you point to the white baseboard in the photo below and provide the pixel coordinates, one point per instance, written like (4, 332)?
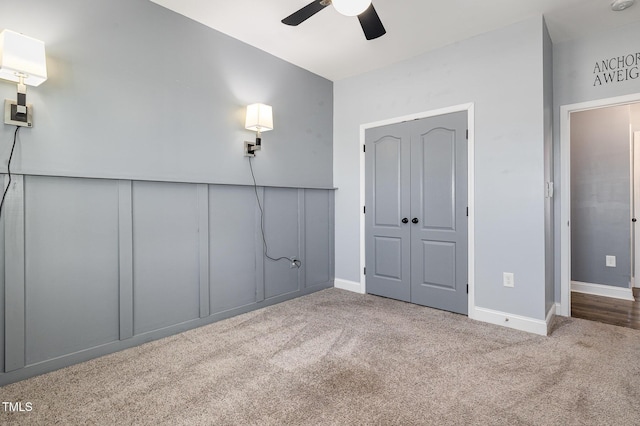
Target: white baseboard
(558, 310)
(354, 286)
(602, 290)
(517, 322)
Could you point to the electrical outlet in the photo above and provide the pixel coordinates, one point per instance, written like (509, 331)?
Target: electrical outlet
(610, 261)
(507, 279)
(295, 262)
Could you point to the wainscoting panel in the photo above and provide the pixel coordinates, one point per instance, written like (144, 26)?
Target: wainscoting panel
(93, 266)
(318, 237)
(71, 269)
(166, 276)
(232, 237)
(5, 180)
(125, 257)
(281, 232)
(14, 283)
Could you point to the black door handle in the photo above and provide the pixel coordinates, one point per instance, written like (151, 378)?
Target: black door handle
(405, 220)
(414, 220)
(634, 220)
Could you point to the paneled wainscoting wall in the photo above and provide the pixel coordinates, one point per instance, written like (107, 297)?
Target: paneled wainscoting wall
(92, 266)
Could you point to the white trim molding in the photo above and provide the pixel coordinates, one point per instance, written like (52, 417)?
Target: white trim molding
(353, 286)
(550, 316)
(602, 290)
(518, 322)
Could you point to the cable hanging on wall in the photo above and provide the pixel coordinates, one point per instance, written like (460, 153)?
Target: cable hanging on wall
(259, 118)
(22, 61)
(15, 136)
(294, 263)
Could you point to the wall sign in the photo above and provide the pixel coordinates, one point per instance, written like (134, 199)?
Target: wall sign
(617, 69)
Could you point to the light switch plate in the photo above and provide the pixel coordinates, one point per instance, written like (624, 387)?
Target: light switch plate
(548, 190)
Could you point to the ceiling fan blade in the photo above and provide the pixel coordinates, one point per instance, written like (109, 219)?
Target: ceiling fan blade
(305, 13)
(371, 23)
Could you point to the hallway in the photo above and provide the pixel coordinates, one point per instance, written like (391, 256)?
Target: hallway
(619, 312)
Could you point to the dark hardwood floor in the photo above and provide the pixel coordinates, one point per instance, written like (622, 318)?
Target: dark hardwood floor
(624, 313)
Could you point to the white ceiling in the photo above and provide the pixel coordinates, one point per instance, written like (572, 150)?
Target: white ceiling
(334, 46)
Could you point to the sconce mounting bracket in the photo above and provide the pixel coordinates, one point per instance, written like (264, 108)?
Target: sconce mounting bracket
(250, 149)
(12, 117)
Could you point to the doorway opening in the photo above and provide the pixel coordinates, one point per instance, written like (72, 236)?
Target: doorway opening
(566, 223)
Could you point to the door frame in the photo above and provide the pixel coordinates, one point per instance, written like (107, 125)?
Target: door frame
(469, 108)
(565, 187)
(635, 207)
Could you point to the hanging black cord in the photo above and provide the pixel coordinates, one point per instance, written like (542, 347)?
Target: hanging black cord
(297, 263)
(15, 136)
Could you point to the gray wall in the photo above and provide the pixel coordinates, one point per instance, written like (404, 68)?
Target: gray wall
(574, 82)
(114, 263)
(130, 218)
(549, 211)
(502, 73)
(600, 196)
(139, 92)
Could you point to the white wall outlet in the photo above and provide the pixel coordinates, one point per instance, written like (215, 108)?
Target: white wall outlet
(507, 279)
(611, 261)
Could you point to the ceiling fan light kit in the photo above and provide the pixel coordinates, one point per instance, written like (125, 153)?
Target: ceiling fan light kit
(351, 7)
(363, 9)
(619, 5)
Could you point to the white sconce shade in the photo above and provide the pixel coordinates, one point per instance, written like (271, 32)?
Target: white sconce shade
(259, 118)
(351, 7)
(22, 55)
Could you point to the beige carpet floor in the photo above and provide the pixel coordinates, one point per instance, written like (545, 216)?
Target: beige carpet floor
(341, 358)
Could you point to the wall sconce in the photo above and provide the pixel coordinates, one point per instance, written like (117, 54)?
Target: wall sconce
(22, 60)
(259, 119)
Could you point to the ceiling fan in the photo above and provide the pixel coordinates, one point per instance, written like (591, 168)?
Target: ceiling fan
(363, 9)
